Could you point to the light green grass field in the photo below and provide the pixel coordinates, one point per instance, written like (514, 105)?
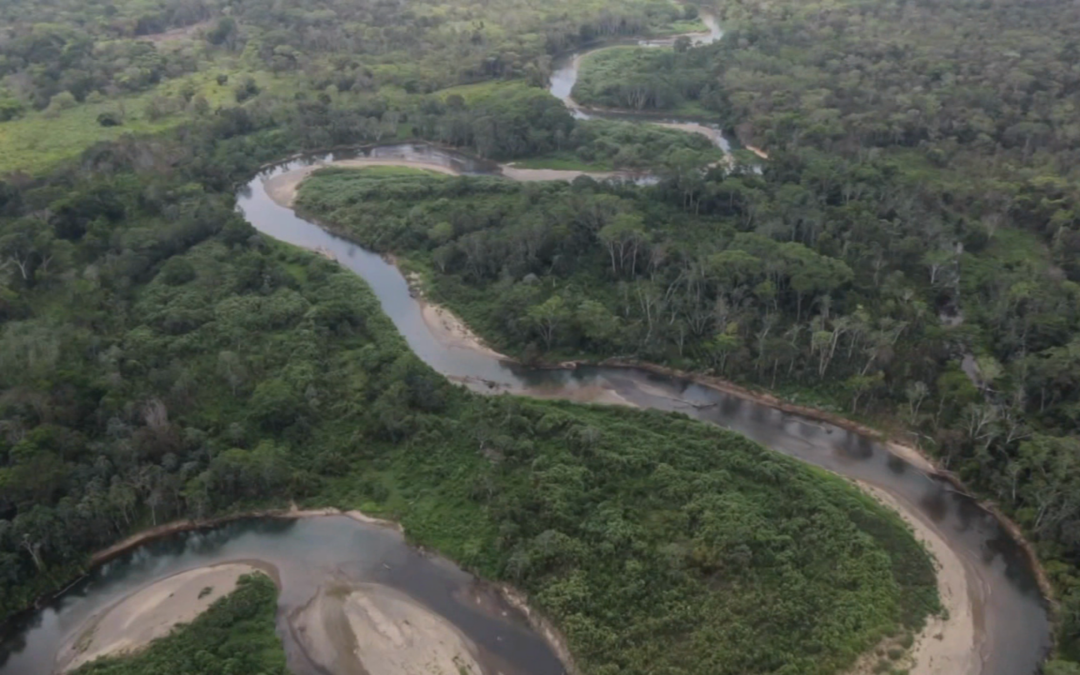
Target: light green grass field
(38, 141)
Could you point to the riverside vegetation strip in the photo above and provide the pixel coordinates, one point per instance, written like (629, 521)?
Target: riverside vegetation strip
(122, 242)
(190, 368)
(978, 224)
(338, 412)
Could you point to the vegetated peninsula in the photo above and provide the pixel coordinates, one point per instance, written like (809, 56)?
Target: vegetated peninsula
(234, 635)
(241, 372)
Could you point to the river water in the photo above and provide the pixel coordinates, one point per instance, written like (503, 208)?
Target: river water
(1010, 613)
(308, 554)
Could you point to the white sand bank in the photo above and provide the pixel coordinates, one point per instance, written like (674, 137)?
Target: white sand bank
(369, 629)
(150, 613)
(947, 646)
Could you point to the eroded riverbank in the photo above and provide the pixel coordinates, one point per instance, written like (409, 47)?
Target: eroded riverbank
(982, 597)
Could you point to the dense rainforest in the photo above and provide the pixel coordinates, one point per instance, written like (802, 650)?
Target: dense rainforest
(931, 148)
(72, 73)
(907, 255)
(161, 359)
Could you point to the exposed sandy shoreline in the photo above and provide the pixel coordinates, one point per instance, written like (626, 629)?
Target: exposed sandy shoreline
(371, 629)
(150, 613)
(757, 151)
(283, 187)
(511, 595)
(452, 331)
(959, 644)
(945, 646)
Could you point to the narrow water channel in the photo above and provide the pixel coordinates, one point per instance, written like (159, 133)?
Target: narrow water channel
(1010, 614)
(1011, 618)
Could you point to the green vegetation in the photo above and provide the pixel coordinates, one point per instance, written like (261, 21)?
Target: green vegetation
(160, 360)
(636, 78)
(72, 75)
(605, 145)
(919, 210)
(932, 148)
(235, 635)
(40, 140)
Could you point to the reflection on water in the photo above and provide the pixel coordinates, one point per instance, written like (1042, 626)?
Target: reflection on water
(307, 554)
(565, 70)
(1014, 614)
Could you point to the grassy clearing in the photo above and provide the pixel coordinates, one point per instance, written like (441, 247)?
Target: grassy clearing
(39, 141)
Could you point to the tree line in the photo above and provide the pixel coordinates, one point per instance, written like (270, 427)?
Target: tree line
(159, 359)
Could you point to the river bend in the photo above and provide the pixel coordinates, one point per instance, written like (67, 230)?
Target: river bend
(1010, 615)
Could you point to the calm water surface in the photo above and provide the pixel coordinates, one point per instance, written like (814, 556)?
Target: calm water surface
(1013, 614)
(307, 553)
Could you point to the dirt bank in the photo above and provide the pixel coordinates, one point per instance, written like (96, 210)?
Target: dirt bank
(694, 128)
(451, 331)
(958, 646)
(951, 645)
(541, 625)
(283, 187)
(328, 635)
(947, 646)
(535, 175)
(150, 613)
(370, 629)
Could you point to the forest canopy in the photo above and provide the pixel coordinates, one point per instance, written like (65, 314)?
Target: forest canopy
(181, 365)
(907, 256)
(931, 148)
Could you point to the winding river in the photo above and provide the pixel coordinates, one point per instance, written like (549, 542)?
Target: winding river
(1001, 599)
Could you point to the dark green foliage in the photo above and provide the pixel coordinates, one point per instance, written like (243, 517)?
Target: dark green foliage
(505, 122)
(167, 362)
(235, 636)
(109, 119)
(246, 89)
(976, 215)
(822, 275)
(602, 145)
(659, 544)
(632, 78)
(78, 50)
